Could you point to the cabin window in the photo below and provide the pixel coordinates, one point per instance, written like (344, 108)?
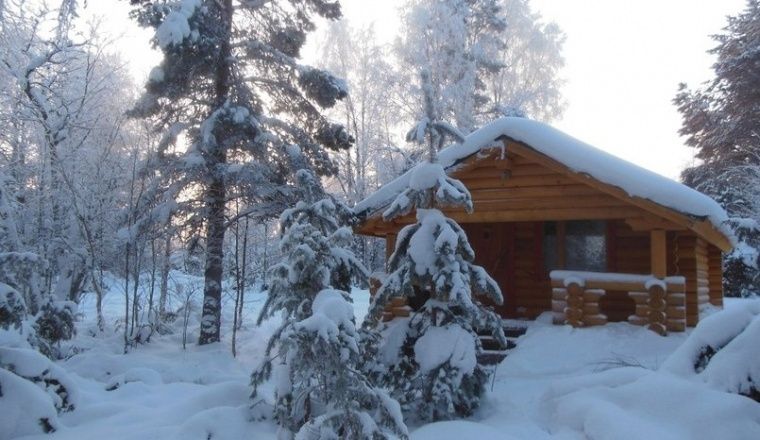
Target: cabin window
(575, 245)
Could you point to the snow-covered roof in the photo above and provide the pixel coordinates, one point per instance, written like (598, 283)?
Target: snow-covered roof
(576, 155)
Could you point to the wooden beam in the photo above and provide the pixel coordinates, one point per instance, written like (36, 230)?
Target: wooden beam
(536, 191)
(659, 255)
(518, 182)
(590, 202)
(650, 223)
(537, 215)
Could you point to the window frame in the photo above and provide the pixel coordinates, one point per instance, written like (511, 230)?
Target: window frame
(560, 227)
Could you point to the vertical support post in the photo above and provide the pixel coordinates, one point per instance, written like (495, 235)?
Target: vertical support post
(561, 245)
(574, 310)
(390, 246)
(658, 253)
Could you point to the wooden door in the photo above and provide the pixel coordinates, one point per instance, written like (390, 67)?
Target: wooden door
(494, 246)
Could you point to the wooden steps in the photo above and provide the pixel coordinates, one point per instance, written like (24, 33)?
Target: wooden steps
(493, 353)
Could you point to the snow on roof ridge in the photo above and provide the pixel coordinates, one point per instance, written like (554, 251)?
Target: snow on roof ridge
(578, 156)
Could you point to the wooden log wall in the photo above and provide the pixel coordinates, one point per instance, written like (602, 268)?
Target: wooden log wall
(397, 307)
(688, 257)
(632, 249)
(532, 288)
(715, 275)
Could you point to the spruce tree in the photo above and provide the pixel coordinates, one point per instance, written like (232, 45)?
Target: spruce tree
(314, 356)
(433, 372)
(231, 82)
(720, 120)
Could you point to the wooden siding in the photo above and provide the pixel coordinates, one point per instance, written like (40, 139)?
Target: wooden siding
(715, 275)
(688, 257)
(532, 286)
(514, 196)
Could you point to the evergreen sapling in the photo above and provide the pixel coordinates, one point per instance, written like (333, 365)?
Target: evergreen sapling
(314, 356)
(429, 360)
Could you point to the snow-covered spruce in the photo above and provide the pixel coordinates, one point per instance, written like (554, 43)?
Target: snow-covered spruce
(314, 357)
(429, 361)
(248, 134)
(723, 351)
(729, 153)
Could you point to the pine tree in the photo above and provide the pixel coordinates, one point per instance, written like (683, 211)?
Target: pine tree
(720, 121)
(231, 81)
(434, 371)
(314, 355)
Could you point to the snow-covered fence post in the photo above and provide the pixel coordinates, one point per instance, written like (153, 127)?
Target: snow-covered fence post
(656, 303)
(592, 313)
(559, 304)
(641, 315)
(574, 309)
(675, 311)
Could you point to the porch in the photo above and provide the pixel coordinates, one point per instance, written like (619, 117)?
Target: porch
(591, 272)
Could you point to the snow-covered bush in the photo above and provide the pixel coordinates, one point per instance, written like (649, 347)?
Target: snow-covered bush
(12, 307)
(723, 351)
(36, 368)
(21, 270)
(33, 391)
(53, 324)
(429, 361)
(314, 356)
(24, 408)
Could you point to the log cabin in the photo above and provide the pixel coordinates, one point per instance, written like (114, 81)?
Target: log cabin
(567, 228)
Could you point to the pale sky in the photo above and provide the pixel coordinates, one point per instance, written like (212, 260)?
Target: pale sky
(624, 60)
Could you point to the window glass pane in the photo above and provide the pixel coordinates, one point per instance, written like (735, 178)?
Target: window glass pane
(585, 245)
(550, 246)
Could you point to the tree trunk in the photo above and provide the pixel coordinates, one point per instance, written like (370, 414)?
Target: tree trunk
(151, 317)
(164, 289)
(211, 319)
(243, 274)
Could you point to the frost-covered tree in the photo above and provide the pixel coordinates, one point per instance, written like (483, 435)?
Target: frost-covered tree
(231, 82)
(62, 103)
(720, 120)
(429, 361)
(530, 82)
(314, 356)
(369, 116)
(484, 58)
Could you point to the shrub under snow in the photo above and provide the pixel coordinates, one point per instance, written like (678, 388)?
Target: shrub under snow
(12, 307)
(33, 390)
(24, 408)
(52, 379)
(723, 351)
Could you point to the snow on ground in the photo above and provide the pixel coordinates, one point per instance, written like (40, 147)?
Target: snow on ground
(559, 383)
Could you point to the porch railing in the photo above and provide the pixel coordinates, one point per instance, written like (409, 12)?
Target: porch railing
(660, 302)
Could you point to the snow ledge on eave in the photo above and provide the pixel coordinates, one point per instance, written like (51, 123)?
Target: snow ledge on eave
(576, 155)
